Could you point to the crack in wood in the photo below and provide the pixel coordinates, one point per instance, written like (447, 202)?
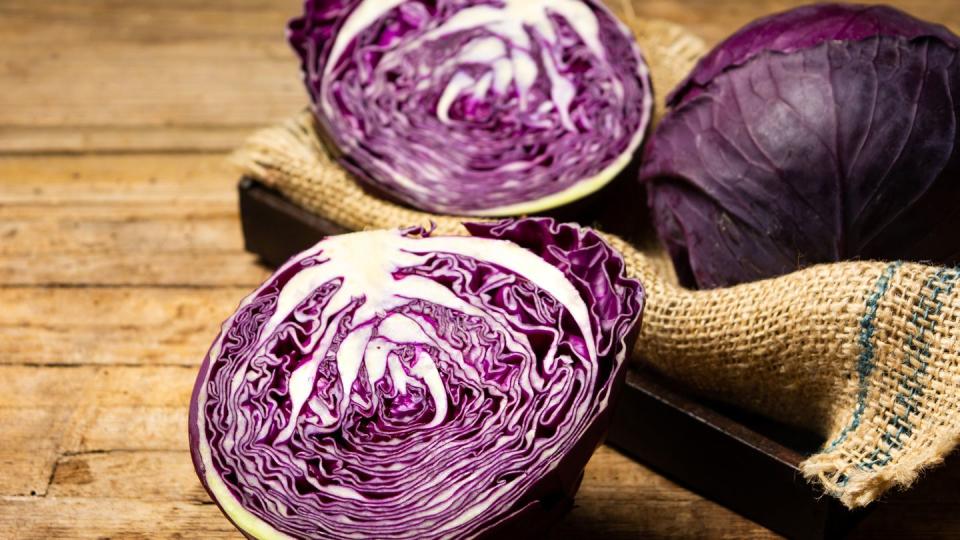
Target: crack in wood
(115, 152)
(53, 473)
(58, 462)
(108, 451)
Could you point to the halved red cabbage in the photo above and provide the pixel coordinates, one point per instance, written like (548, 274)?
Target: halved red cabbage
(824, 133)
(476, 107)
(392, 384)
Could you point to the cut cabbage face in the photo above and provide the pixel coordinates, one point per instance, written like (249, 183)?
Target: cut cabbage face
(476, 108)
(391, 385)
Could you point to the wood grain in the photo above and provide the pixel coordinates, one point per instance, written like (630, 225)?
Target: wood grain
(120, 254)
(121, 221)
(87, 75)
(98, 179)
(128, 326)
(186, 76)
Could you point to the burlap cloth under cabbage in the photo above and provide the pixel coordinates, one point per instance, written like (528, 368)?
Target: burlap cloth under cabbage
(863, 353)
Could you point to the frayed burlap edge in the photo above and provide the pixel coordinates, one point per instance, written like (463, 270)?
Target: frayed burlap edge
(832, 348)
(863, 353)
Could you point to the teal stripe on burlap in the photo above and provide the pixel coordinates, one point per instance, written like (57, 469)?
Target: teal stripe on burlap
(916, 360)
(865, 364)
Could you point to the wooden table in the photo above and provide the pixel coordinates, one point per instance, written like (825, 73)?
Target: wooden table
(120, 253)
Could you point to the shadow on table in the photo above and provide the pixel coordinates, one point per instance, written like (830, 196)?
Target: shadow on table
(929, 510)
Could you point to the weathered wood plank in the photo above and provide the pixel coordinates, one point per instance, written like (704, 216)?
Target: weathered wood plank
(30, 441)
(604, 505)
(183, 74)
(198, 67)
(132, 269)
(86, 488)
(622, 499)
(97, 179)
(126, 326)
(42, 518)
(47, 141)
(50, 412)
(121, 474)
(121, 434)
(110, 228)
(58, 228)
(125, 244)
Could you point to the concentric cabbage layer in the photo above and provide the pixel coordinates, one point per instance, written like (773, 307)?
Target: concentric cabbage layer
(385, 385)
(473, 107)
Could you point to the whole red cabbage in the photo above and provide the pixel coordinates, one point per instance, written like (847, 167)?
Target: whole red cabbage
(823, 133)
(475, 107)
(392, 384)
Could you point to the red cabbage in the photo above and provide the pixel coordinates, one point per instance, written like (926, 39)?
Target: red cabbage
(824, 133)
(400, 385)
(475, 107)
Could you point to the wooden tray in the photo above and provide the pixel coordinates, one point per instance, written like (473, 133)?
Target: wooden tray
(743, 462)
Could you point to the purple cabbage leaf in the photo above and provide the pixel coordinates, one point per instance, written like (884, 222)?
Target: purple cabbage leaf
(475, 107)
(825, 133)
(393, 384)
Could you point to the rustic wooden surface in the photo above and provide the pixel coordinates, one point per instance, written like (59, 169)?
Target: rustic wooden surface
(120, 253)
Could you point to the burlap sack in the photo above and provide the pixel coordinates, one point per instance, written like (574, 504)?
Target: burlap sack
(863, 353)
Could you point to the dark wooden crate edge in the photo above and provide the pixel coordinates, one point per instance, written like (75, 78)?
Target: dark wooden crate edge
(720, 458)
(690, 442)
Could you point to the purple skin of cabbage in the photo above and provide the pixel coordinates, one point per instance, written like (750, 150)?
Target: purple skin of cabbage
(614, 302)
(382, 124)
(825, 133)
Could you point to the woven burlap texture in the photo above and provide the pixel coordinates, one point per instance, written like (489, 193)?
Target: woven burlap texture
(863, 353)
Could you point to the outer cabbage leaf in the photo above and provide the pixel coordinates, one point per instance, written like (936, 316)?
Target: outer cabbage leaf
(802, 28)
(475, 107)
(809, 144)
(390, 384)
